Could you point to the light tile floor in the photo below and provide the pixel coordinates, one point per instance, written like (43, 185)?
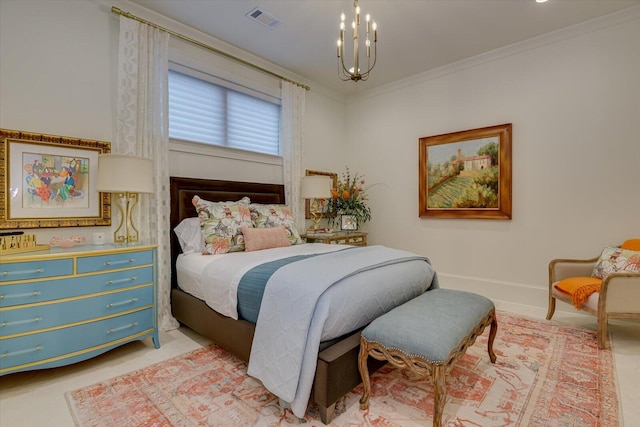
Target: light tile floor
(36, 398)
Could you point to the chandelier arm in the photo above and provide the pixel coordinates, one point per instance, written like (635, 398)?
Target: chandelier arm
(348, 75)
(365, 75)
(347, 72)
(343, 74)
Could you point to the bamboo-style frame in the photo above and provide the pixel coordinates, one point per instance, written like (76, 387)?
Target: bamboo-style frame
(56, 217)
(472, 138)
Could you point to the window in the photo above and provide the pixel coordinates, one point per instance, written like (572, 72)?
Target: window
(209, 113)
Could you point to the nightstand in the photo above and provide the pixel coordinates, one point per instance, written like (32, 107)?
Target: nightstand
(62, 306)
(354, 238)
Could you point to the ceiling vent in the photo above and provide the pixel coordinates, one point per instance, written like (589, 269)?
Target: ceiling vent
(263, 17)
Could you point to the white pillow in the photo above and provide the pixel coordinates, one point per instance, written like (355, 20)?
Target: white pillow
(189, 235)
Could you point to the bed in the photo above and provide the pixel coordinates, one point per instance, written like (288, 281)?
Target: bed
(336, 370)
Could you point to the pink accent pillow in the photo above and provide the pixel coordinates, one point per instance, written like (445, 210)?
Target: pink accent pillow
(256, 239)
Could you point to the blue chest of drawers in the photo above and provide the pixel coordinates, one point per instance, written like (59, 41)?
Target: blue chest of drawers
(66, 305)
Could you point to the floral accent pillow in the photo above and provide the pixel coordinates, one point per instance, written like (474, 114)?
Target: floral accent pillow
(221, 224)
(267, 216)
(614, 259)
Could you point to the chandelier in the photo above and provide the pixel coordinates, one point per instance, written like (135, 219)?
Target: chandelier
(353, 73)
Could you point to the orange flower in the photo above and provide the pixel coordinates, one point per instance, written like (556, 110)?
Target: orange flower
(347, 198)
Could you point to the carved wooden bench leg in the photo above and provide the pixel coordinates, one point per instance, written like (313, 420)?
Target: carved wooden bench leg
(364, 373)
(438, 376)
(492, 336)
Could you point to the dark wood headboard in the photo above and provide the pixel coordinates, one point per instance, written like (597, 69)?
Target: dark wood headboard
(182, 191)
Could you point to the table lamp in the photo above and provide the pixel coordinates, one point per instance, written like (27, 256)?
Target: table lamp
(314, 188)
(125, 176)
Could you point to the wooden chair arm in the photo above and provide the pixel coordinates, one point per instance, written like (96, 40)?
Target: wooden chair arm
(563, 268)
(620, 293)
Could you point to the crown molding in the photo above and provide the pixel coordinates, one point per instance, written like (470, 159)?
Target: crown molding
(597, 24)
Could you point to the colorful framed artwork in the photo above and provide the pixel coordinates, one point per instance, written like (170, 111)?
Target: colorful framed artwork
(50, 181)
(307, 203)
(466, 174)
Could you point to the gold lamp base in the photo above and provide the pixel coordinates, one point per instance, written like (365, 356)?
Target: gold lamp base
(315, 217)
(126, 231)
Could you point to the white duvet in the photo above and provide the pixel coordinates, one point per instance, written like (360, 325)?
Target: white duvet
(215, 278)
(287, 338)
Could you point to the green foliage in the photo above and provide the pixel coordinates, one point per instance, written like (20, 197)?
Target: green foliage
(348, 198)
(476, 190)
(490, 149)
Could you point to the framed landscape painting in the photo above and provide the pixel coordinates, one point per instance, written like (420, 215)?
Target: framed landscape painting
(466, 174)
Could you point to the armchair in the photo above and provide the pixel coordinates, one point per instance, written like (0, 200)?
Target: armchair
(617, 298)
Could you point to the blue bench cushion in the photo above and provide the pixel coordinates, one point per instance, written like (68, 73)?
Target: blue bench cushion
(431, 325)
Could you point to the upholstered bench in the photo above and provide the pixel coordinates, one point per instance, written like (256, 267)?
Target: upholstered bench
(427, 335)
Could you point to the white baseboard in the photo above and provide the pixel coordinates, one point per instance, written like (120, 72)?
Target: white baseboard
(513, 297)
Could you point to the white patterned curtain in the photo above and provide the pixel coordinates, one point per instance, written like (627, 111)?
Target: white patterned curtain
(293, 111)
(142, 130)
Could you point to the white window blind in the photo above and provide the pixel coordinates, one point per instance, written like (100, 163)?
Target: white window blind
(204, 112)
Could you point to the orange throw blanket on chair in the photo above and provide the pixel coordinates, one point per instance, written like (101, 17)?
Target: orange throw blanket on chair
(580, 288)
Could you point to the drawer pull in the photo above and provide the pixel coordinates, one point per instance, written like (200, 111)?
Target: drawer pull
(126, 261)
(25, 295)
(22, 322)
(10, 273)
(115, 304)
(19, 352)
(112, 330)
(127, 279)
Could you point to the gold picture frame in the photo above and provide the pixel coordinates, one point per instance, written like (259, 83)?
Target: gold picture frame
(307, 203)
(466, 174)
(50, 181)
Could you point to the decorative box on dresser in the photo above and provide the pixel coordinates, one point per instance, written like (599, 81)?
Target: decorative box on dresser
(62, 306)
(354, 238)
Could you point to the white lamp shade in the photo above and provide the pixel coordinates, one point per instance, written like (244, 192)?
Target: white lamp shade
(119, 173)
(315, 187)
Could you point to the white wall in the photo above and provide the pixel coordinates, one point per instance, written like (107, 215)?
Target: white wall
(574, 100)
(58, 76)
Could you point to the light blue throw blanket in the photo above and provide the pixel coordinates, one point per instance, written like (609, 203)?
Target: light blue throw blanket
(324, 297)
(251, 286)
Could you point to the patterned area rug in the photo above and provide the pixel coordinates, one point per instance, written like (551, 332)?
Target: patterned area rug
(546, 375)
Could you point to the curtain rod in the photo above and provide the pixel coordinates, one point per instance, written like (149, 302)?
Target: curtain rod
(119, 11)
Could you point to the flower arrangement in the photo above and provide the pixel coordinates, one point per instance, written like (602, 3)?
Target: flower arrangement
(349, 198)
